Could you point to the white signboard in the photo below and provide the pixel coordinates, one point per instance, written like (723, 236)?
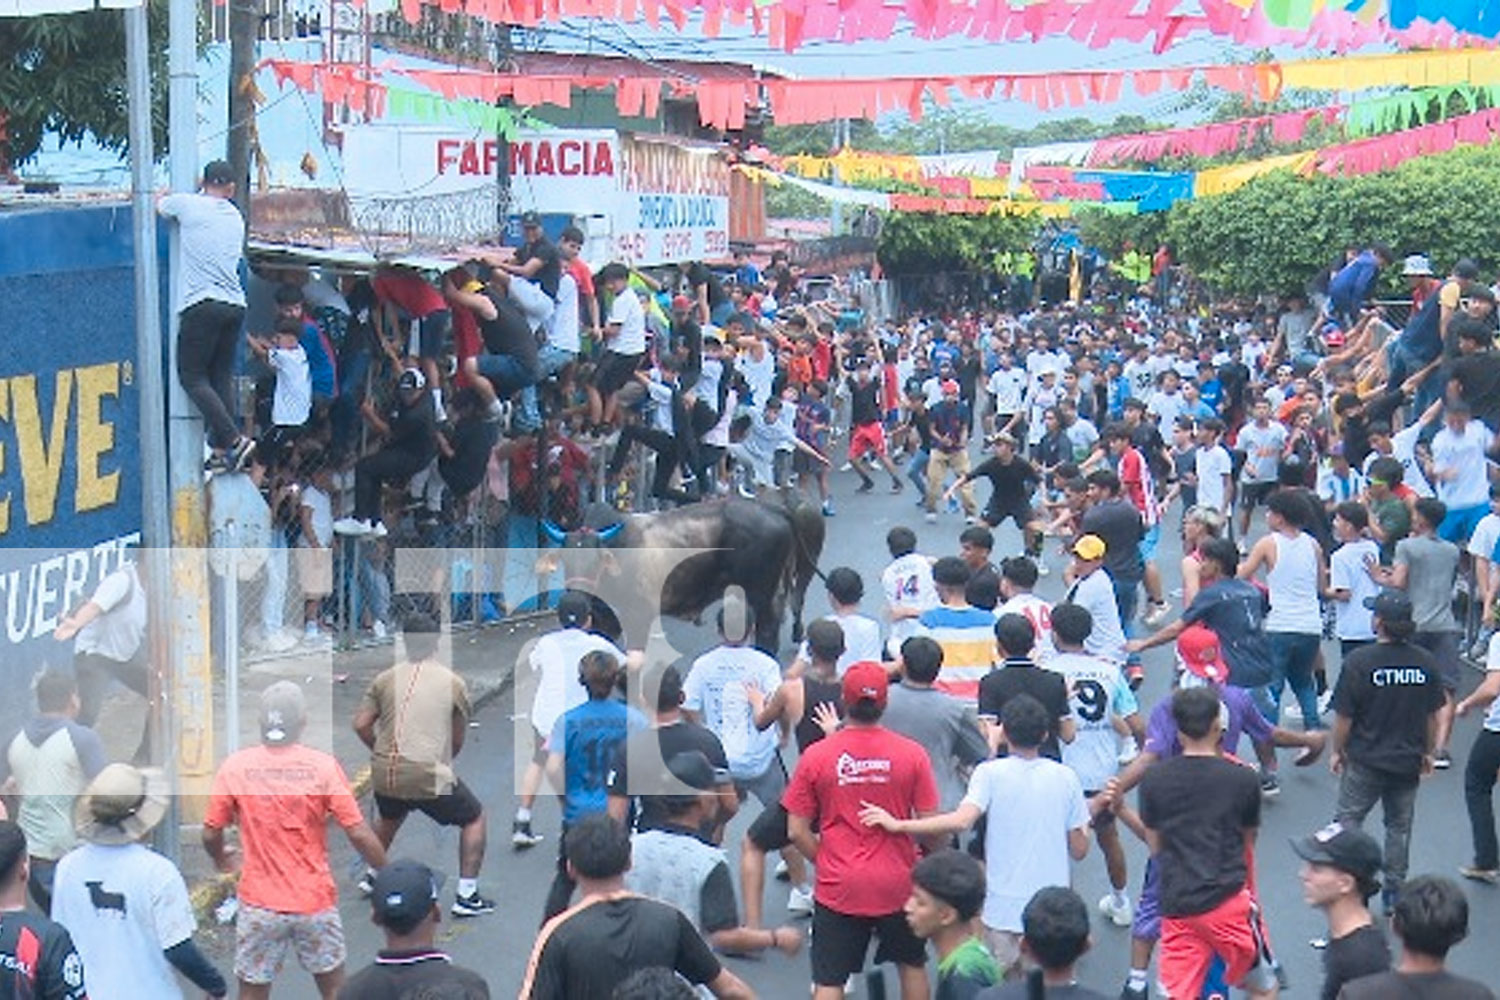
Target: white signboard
(655, 228)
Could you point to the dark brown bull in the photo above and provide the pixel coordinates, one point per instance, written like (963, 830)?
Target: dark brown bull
(636, 564)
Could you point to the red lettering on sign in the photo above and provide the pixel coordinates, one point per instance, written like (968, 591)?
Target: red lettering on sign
(569, 158)
(562, 158)
(446, 154)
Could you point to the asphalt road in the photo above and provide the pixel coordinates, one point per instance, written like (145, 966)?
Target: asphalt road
(497, 945)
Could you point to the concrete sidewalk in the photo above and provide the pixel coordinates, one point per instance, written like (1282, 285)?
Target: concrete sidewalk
(335, 683)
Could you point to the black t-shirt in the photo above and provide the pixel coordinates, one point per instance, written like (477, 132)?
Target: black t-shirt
(864, 402)
(815, 692)
(1200, 808)
(1146, 438)
(1388, 689)
(396, 975)
(1011, 482)
(1416, 986)
(1313, 516)
(922, 424)
(603, 943)
(1003, 683)
(1118, 523)
(651, 748)
(472, 440)
(1478, 378)
(38, 960)
(412, 426)
(1361, 952)
(550, 274)
(508, 333)
(698, 275)
(686, 338)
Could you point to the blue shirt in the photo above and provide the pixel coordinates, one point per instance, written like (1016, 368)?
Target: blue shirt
(1211, 392)
(319, 359)
(587, 737)
(1351, 286)
(951, 421)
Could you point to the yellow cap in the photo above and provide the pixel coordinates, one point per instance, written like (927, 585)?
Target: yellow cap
(1089, 547)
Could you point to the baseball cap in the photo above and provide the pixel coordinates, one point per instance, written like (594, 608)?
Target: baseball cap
(217, 174)
(1417, 266)
(403, 892)
(950, 387)
(1089, 547)
(1347, 848)
(411, 379)
(866, 681)
(682, 302)
(1390, 605)
(1001, 437)
(531, 219)
(283, 710)
(1199, 648)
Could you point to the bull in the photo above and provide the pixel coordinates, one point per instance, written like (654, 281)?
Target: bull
(770, 551)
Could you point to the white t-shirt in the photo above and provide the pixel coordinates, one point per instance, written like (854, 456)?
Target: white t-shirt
(564, 332)
(212, 231)
(861, 641)
(1142, 378)
(715, 690)
(292, 403)
(1463, 455)
(1346, 571)
(1095, 690)
(318, 502)
(1486, 535)
(1262, 447)
(1211, 466)
(117, 633)
(626, 312)
(122, 946)
(1007, 386)
(1039, 613)
(1166, 407)
(554, 662)
(1030, 805)
(1096, 594)
(907, 582)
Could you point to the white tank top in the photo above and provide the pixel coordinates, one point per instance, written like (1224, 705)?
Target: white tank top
(1294, 586)
(759, 375)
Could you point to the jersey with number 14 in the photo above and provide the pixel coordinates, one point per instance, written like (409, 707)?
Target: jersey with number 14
(1096, 688)
(908, 583)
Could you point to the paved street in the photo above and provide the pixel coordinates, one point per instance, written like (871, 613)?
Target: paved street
(498, 945)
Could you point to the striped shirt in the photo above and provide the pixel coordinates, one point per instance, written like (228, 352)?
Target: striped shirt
(967, 635)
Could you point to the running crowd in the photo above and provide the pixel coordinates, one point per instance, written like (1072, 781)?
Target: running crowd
(955, 757)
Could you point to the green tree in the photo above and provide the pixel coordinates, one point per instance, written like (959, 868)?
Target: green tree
(65, 73)
(932, 243)
(1110, 232)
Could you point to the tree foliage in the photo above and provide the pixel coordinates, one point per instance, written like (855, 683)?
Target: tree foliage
(1112, 233)
(1276, 232)
(65, 73)
(922, 243)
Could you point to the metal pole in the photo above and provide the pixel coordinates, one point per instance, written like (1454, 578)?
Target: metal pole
(156, 524)
(190, 701)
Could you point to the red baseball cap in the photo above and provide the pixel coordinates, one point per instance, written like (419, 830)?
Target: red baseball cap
(866, 681)
(1199, 648)
(682, 302)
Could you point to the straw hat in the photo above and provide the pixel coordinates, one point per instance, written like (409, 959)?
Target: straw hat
(122, 804)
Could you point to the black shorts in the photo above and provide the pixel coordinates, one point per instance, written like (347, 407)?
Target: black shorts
(434, 334)
(1444, 649)
(614, 371)
(769, 831)
(458, 808)
(839, 943)
(1023, 514)
(1254, 495)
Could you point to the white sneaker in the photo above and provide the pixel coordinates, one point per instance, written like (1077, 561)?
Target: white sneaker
(278, 642)
(377, 529)
(1293, 711)
(1041, 568)
(799, 902)
(1325, 701)
(780, 874)
(931, 517)
(352, 526)
(1156, 614)
(378, 629)
(1120, 914)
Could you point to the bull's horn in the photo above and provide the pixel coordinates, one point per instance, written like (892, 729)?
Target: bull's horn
(607, 534)
(554, 531)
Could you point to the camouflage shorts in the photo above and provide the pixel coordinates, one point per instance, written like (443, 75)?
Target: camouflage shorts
(263, 938)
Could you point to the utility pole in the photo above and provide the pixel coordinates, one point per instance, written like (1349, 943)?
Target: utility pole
(244, 28)
(504, 63)
(840, 140)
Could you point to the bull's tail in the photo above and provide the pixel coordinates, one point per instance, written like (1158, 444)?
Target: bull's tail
(808, 532)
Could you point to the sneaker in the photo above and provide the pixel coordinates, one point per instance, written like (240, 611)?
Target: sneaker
(1442, 760)
(1325, 701)
(931, 517)
(846, 467)
(239, 456)
(1120, 914)
(897, 486)
(1293, 712)
(799, 902)
(1156, 614)
(377, 529)
(378, 629)
(1129, 992)
(1489, 876)
(278, 642)
(971, 519)
(827, 508)
(472, 905)
(366, 883)
(311, 633)
(953, 506)
(1481, 648)
(865, 487)
(1270, 784)
(1041, 567)
(355, 527)
(782, 873)
(521, 836)
(1135, 675)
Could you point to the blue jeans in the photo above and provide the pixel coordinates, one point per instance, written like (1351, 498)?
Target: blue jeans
(505, 373)
(550, 361)
(1292, 657)
(916, 471)
(522, 586)
(1127, 599)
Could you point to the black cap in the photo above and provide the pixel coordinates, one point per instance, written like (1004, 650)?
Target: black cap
(531, 219)
(1390, 605)
(218, 174)
(403, 892)
(1347, 848)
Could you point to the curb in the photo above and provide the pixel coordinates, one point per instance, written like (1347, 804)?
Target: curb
(207, 895)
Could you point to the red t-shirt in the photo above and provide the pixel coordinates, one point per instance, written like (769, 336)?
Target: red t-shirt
(822, 358)
(862, 871)
(416, 297)
(1135, 476)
